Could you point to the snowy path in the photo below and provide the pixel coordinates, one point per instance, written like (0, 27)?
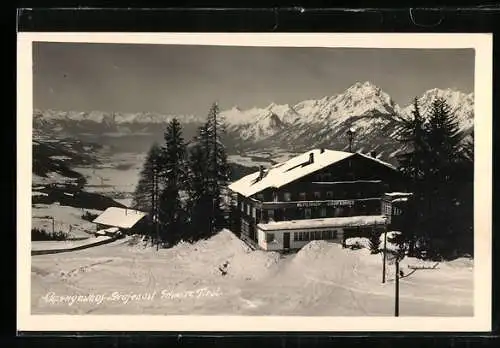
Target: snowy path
(322, 279)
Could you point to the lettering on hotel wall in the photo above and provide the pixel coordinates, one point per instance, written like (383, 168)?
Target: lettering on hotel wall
(338, 203)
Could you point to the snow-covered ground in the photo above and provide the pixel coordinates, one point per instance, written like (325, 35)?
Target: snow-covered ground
(247, 161)
(51, 178)
(66, 219)
(67, 244)
(223, 275)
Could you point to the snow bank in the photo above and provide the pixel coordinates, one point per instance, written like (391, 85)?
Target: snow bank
(314, 250)
(461, 262)
(224, 255)
(358, 241)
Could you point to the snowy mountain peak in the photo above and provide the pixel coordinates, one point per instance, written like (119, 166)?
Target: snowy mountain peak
(367, 85)
(451, 95)
(461, 104)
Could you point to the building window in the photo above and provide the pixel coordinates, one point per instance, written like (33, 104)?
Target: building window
(245, 227)
(242, 207)
(248, 209)
(317, 195)
(307, 213)
(302, 196)
(327, 176)
(275, 197)
(296, 236)
(329, 194)
(270, 214)
(288, 196)
(338, 212)
(322, 212)
(269, 237)
(254, 213)
(260, 197)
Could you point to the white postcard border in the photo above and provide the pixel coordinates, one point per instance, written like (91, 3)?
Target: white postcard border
(481, 321)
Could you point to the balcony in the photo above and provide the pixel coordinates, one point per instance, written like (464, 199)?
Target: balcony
(319, 203)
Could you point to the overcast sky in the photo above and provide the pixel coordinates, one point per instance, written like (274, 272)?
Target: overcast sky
(187, 79)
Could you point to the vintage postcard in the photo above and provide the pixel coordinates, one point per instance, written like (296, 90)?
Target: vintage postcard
(254, 182)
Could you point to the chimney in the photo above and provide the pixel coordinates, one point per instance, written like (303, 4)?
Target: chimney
(311, 157)
(373, 154)
(261, 171)
(322, 150)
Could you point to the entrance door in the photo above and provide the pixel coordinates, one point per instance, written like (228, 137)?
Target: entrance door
(286, 240)
(307, 213)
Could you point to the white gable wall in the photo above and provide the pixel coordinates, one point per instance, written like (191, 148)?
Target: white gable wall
(278, 236)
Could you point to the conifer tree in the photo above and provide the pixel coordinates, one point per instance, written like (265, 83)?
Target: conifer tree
(444, 138)
(413, 163)
(218, 168)
(142, 196)
(208, 177)
(440, 167)
(172, 178)
(412, 135)
(200, 203)
(447, 163)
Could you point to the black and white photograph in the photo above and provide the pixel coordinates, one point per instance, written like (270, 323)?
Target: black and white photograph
(205, 178)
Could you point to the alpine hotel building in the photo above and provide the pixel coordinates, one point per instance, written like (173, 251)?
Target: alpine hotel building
(319, 195)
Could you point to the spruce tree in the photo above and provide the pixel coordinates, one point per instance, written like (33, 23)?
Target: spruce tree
(142, 196)
(447, 176)
(218, 169)
(444, 138)
(172, 178)
(208, 177)
(411, 133)
(200, 203)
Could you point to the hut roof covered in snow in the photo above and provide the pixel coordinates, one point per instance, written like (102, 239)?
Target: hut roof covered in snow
(295, 168)
(119, 217)
(367, 220)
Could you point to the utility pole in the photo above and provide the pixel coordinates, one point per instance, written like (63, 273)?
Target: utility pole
(350, 134)
(396, 305)
(215, 173)
(154, 198)
(157, 207)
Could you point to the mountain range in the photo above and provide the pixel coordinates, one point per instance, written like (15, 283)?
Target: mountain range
(311, 123)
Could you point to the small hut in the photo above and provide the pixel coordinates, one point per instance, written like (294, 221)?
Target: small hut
(120, 220)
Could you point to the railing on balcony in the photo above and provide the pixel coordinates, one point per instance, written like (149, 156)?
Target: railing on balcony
(318, 203)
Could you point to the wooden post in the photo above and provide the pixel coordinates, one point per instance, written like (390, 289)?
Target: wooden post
(53, 225)
(156, 203)
(396, 305)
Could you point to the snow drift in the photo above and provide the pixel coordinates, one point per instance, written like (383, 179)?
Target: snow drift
(321, 279)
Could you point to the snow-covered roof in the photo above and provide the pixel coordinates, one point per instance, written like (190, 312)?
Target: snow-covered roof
(295, 168)
(404, 194)
(119, 217)
(404, 199)
(366, 220)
